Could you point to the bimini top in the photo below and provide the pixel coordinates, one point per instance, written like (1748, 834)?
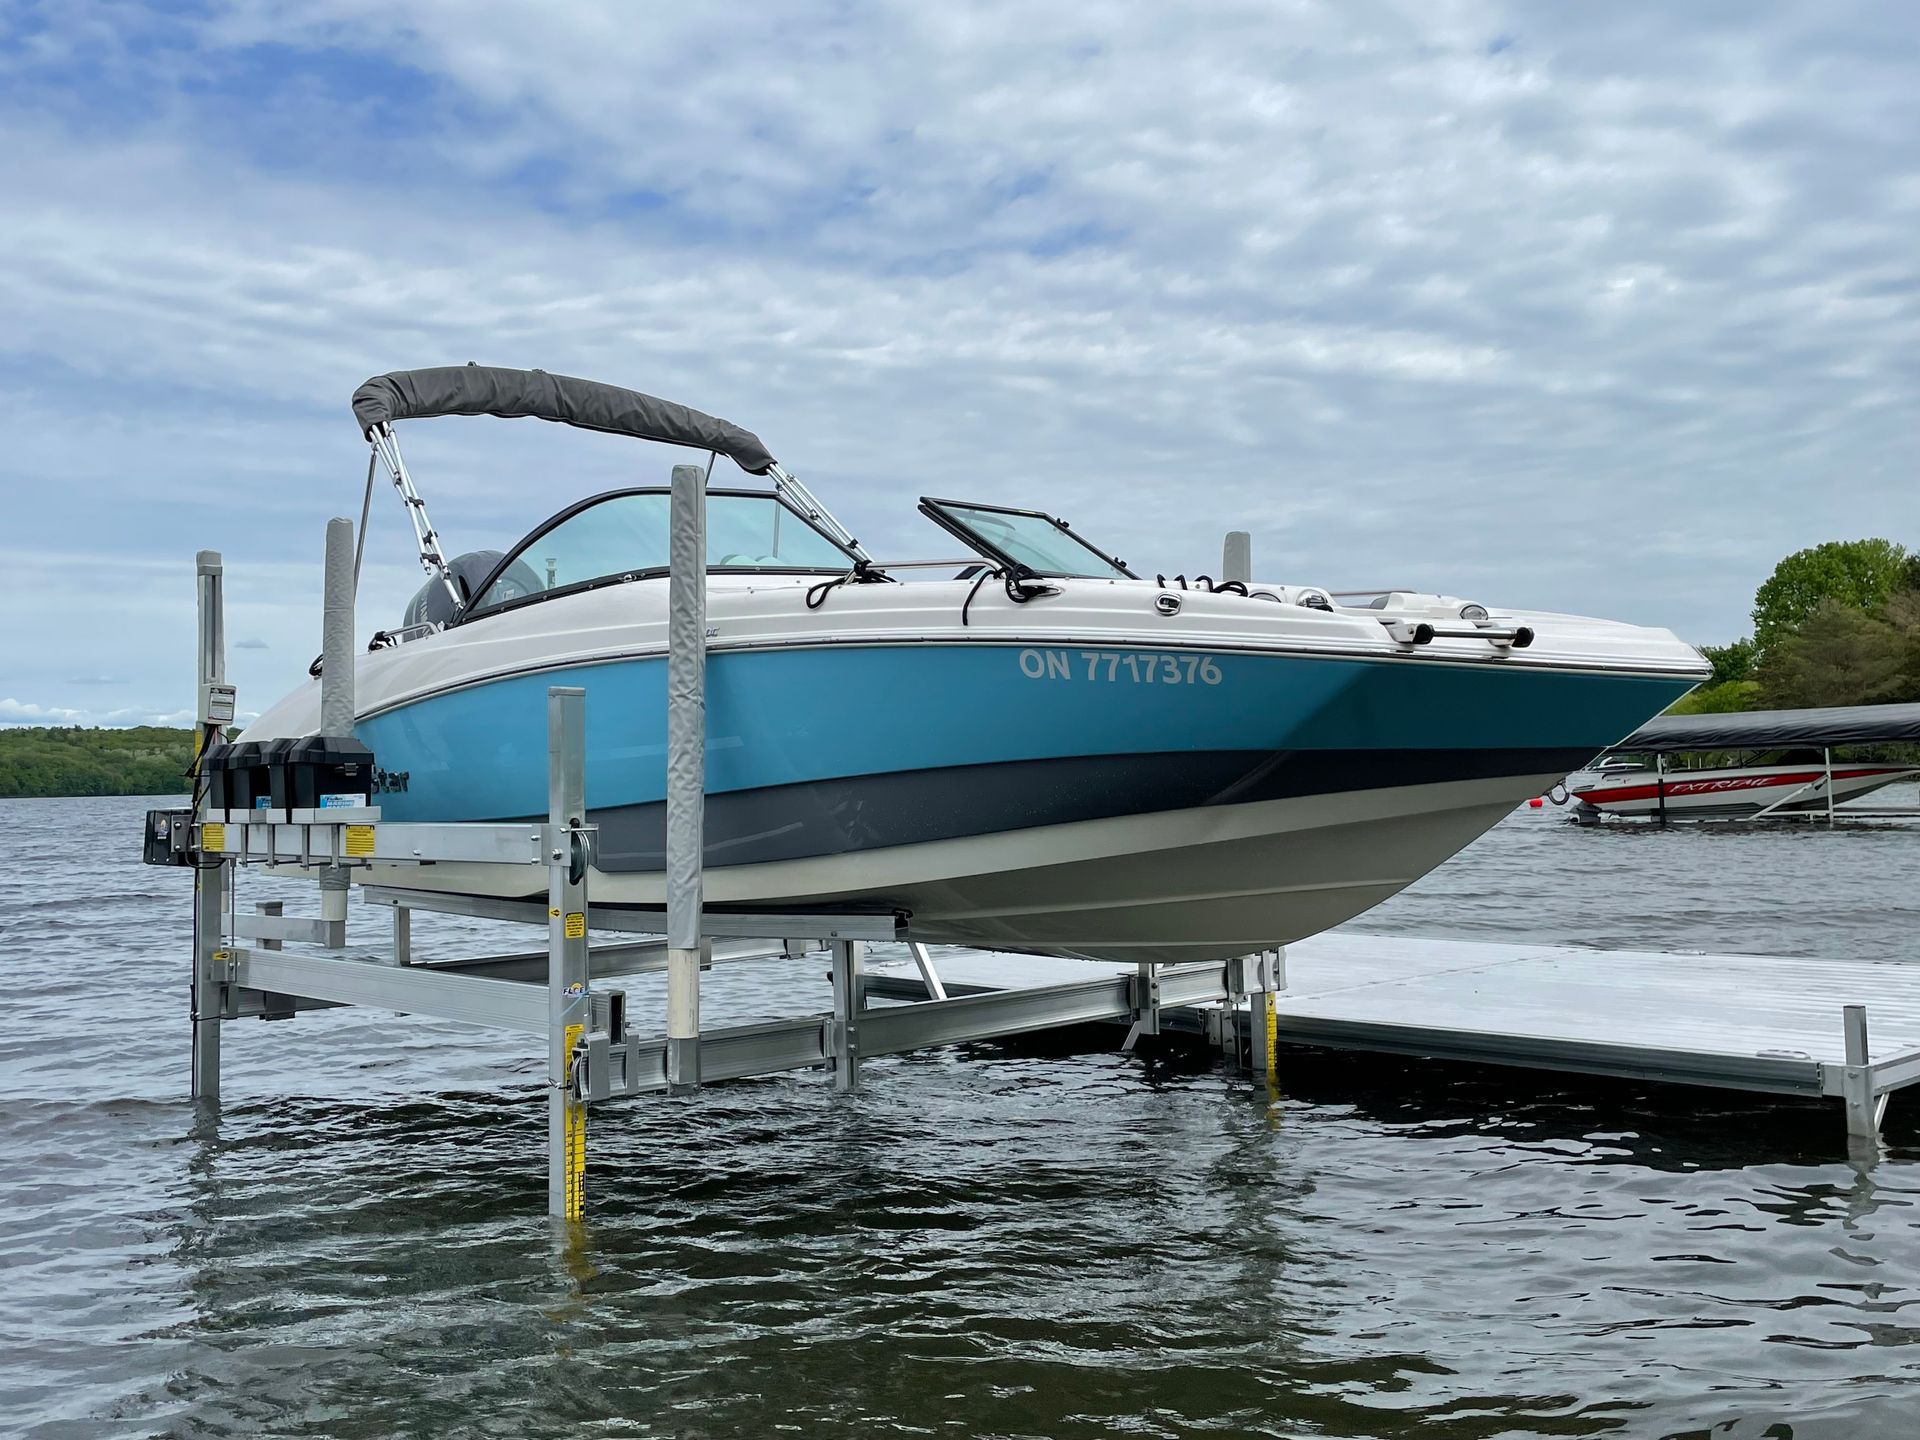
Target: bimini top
(1776, 729)
(514, 394)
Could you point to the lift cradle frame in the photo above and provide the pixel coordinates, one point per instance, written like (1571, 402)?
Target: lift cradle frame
(243, 968)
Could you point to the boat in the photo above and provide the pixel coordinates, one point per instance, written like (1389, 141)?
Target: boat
(1743, 765)
(1031, 748)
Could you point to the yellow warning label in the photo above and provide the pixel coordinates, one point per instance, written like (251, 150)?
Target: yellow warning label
(359, 840)
(576, 925)
(213, 837)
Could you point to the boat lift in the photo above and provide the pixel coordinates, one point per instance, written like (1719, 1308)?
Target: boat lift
(568, 991)
(1820, 729)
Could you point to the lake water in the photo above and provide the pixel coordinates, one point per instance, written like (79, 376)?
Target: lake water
(1046, 1239)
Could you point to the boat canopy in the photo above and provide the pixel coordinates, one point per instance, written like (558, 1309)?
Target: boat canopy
(1776, 729)
(588, 404)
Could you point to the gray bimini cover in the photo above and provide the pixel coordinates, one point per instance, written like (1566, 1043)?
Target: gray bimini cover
(516, 394)
(1777, 729)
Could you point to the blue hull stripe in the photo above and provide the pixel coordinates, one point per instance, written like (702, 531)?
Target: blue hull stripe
(785, 717)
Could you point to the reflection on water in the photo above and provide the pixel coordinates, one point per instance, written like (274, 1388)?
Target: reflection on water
(1037, 1239)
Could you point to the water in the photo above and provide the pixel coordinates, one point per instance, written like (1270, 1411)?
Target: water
(1038, 1240)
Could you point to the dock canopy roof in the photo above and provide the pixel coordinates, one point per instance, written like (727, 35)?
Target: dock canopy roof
(1777, 729)
(514, 394)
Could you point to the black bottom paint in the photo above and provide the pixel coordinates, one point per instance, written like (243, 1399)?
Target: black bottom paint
(873, 812)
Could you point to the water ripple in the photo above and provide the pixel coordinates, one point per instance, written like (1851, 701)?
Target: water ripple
(1038, 1239)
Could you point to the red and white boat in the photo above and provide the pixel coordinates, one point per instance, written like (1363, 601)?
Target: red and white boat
(1790, 766)
(1785, 789)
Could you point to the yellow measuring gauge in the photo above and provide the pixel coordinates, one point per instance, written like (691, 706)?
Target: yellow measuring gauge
(576, 1137)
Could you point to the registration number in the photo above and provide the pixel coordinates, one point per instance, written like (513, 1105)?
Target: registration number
(1129, 667)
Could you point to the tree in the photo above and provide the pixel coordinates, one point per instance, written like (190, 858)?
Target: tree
(1719, 699)
(1860, 574)
(1732, 662)
(1839, 655)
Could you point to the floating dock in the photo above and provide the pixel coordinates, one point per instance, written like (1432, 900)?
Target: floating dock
(1764, 1023)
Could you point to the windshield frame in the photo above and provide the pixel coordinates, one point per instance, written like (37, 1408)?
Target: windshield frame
(655, 572)
(931, 507)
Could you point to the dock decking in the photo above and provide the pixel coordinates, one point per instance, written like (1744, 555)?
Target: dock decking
(1749, 1022)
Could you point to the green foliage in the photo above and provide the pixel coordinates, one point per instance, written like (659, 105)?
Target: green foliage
(143, 760)
(1860, 574)
(1839, 656)
(1720, 699)
(1731, 663)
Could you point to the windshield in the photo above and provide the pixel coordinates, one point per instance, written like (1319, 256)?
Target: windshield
(1026, 538)
(624, 536)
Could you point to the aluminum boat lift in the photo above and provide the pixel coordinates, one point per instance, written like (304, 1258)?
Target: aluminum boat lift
(564, 992)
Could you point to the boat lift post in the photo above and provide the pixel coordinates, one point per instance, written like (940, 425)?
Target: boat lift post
(686, 768)
(211, 878)
(569, 1003)
(336, 689)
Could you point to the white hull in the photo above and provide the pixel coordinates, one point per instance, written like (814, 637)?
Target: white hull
(1197, 884)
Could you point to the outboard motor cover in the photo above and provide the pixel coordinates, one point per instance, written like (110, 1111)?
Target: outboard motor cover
(431, 605)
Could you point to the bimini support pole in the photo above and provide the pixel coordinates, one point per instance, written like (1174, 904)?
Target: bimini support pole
(568, 1003)
(432, 560)
(804, 500)
(336, 693)
(1827, 756)
(212, 878)
(686, 768)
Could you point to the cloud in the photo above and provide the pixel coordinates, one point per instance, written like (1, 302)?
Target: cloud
(1592, 308)
(18, 712)
(94, 680)
(253, 642)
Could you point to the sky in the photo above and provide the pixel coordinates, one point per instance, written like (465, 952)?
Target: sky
(1594, 308)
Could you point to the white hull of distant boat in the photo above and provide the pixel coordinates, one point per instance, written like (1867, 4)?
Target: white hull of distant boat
(1045, 753)
(1732, 792)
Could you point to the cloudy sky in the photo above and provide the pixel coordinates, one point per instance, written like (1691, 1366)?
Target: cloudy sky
(1588, 307)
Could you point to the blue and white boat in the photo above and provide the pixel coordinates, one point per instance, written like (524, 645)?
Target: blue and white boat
(1045, 752)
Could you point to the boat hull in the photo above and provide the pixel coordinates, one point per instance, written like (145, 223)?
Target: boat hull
(1190, 884)
(1109, 802)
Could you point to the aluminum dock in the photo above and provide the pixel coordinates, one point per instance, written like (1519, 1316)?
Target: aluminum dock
(1765, 1023)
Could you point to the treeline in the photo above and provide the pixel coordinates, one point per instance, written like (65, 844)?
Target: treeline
(43, 760)
(1838, 624)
